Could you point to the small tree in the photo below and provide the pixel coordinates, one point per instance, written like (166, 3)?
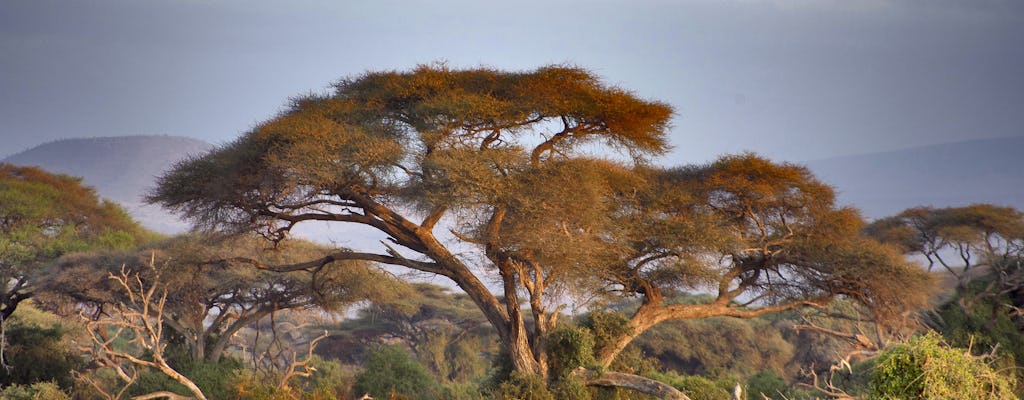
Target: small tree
(391, 369)
(44, 216)
(210, 296)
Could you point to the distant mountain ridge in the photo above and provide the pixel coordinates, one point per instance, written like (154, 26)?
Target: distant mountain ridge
(121, 168)
(944, 175)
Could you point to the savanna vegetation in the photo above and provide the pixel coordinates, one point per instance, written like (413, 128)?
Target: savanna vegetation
(571, 266)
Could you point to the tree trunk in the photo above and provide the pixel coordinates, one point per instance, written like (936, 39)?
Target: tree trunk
(630, 381)
(643, 320)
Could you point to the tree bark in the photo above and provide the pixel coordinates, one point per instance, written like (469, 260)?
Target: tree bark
(651, 314)
(629, 381)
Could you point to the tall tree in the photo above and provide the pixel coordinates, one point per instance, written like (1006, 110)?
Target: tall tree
(398, 151)
(504, 157)
(43, 216)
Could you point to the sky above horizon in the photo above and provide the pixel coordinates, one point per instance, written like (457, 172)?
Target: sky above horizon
(791, 79)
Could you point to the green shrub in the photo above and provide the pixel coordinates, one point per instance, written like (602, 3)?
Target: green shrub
(695, 387)
(213, 379)
(329, 380)
(571, 388)
(929, 370)
(606, 327)
(463, 391)
(37, 354)
(569, 348)
(700, 388)
(773, 386)
(983, 331)
(35, 391)
(524, 387)
(391, 368)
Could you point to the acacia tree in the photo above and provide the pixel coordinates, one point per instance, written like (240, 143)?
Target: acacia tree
(43, 216)
(970, 242)
(399, 151)
(762, 237)
(502, 155)
(208, 299)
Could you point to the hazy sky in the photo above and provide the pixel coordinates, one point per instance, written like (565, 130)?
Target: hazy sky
(794, 80)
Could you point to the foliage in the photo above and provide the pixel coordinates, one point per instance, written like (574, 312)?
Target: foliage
(570, 348)
(769, 383)
(717, 346)
(390, 368)
(856, 379)
(980, 249)
(37, 354)
(44, 216)
(35, 391)
(745, 226)
(214, 285)
(925, 368)
(571, 388)
(330, 380)
(524, 387)
(696, 387)
(980, 240)
(37, 349)
(445, 331)
(1001, 336)
(606, 327)
(633, 360)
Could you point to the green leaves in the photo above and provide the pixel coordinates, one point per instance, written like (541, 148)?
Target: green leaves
(926, 369)
(44, 216)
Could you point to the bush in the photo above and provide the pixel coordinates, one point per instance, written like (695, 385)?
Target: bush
(568, 349)
(571, 388)
(214, 379)
(391, 369)
(700, 388)
(35, 391)
(524, 387)
(983, 331)
(929, 370)
(606, 327)
(37, 349)
(773, 386)
(37, 354)
(695, 387)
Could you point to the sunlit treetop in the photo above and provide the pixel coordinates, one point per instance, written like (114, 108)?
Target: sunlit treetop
(432, 136)
(43, 216)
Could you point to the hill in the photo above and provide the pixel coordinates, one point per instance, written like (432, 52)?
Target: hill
(953, 174)
(881, 184)
(121, 169)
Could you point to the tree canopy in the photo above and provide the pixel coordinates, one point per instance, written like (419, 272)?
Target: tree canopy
(210, 297)
(507, 160)
(975, 243)
(43, 216)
